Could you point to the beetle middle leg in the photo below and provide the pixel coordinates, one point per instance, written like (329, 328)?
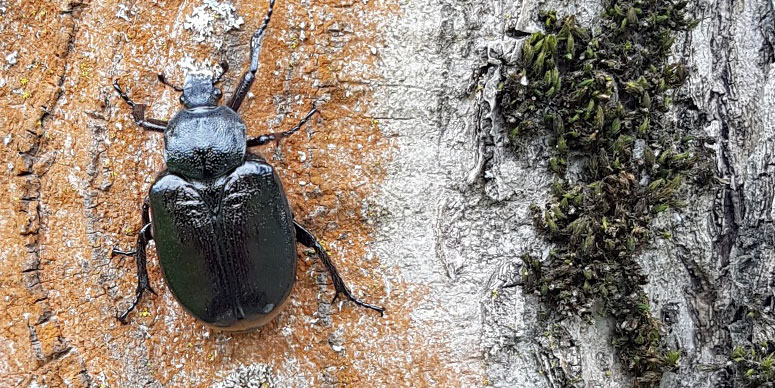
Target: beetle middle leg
(138, 112)
(143, 284)
(263, 139)
(308, 240)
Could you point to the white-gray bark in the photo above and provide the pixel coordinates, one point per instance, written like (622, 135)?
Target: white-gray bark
(456, 200)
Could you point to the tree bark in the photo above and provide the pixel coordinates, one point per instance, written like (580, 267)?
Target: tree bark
(407, 176)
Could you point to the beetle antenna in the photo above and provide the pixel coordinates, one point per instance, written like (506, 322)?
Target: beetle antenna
(224, 68)
(163, 80)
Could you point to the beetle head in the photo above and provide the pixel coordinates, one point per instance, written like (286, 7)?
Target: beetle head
(199, 90)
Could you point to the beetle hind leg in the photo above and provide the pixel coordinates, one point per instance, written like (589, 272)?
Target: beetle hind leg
(143, 283)
(307, 239)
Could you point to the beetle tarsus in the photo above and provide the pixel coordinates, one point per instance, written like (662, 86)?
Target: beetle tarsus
(150, 289)
(138, 111)
(117, 251)
(122, 317)
(263, 139)
(163, 79)
(123, 94)
(224, 68)
(138, 294)
(357, 301)
(143, 283)
(307, 239)
(374, 307)
(255, 49)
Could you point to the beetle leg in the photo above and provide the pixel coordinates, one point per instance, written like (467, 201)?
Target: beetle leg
(224, 68)
(250, 75)
(117, 251)
(138, 112)
(142, 273)
(143, 283)
(163, 80)
(263, 139)
(308, 240)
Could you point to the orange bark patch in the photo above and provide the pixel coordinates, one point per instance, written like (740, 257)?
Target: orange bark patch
(81, 168)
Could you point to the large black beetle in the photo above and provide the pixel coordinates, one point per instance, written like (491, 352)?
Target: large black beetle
(224, 232)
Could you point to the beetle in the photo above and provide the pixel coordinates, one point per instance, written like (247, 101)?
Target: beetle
(224, 232)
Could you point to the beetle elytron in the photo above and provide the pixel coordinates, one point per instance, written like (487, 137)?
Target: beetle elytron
(224, 231)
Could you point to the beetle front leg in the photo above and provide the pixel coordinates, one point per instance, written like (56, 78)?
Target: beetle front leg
(308, 240)
(255, 49)
(143, 282)
(138, 112)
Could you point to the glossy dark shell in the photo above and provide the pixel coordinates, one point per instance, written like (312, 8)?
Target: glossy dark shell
(204, 142)
(227, 246)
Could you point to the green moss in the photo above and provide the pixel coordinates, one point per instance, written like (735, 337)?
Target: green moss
(755, 366)
(602, 97)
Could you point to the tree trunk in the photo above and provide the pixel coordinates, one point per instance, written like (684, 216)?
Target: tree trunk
(406, 175)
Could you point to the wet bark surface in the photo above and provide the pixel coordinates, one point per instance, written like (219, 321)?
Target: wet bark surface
(407, 176)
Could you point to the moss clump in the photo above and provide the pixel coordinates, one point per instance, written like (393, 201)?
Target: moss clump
(601, 95)
(755, 366)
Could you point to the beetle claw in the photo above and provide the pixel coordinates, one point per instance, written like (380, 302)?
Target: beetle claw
(122, 318)
(142, 287)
